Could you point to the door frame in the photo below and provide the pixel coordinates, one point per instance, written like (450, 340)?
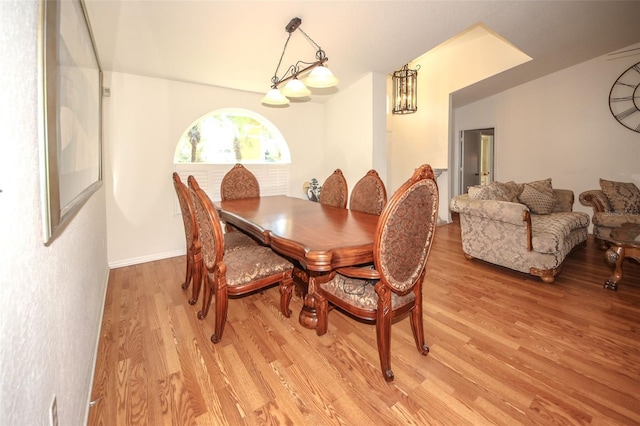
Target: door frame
(486, 131)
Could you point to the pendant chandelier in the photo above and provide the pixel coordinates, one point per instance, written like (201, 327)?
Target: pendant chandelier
(319, 77)
(405, 90)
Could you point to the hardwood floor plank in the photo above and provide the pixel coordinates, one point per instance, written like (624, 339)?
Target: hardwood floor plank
(506, 349)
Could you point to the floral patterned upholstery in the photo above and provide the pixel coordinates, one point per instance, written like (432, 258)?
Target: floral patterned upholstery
(361, 293)
(369, 194)
(510, 235)
(238, 183)
(252, 264)
(237, 241)
(234, 272)
(605, 216)
(334, 190)
(393, 284)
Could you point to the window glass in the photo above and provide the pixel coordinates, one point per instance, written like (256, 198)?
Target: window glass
(232, 135)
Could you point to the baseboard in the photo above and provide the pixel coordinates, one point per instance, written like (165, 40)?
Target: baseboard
(97, 347)
(145, 259)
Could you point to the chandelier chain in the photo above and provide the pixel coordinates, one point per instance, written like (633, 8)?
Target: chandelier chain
(320, 55)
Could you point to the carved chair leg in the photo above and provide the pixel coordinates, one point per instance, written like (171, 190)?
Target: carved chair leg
(322, 312)
(189, 273)
(286, 287)
(418, 330)
(383, 334)
(221, 308)
(197, 279)
(206, 297)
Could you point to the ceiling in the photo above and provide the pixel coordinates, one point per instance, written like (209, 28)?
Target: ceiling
(237, 44)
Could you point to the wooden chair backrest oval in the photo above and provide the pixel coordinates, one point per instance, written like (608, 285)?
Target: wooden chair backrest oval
(191, 235)
(238, 183)
(334, 190)
(369, 194)
(405, 232)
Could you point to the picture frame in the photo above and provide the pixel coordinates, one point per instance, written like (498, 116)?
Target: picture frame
(70, 101)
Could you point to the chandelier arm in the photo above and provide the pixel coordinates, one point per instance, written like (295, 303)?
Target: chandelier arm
(295, 74)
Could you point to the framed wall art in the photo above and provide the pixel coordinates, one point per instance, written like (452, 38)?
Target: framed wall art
(70, 99)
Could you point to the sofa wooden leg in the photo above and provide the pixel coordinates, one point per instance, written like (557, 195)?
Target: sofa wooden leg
(602, 244)
(546, 275)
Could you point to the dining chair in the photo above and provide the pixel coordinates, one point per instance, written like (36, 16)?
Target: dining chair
(369, 194)
(233, 241)
(334, 190)
(238, 183)
(392, 286)
(234, 273)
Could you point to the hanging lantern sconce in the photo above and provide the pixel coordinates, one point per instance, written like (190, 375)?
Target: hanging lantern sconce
(405, 90)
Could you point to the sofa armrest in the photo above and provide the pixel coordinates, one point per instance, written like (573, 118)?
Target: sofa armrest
(564, 200)
(595, 199)
(503, 211)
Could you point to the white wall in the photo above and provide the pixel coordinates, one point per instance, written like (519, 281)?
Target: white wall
(560, 126)
(51, 298)
(144, 119)
(355, 129)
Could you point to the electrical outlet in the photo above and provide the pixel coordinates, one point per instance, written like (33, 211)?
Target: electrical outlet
(54, 412)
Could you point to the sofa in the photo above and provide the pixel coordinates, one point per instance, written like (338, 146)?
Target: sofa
(528, 227)
(613, 204)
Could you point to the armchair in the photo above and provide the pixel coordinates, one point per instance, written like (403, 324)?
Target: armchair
(613, 204)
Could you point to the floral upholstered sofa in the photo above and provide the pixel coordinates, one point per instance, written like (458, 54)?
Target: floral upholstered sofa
(613, 204)
(528, 227)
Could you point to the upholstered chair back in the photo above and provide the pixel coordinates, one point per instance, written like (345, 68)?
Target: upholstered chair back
(369, 194)
(334, 190)
(405, 231)
(188, 216)
(209, 227)
(238, 183)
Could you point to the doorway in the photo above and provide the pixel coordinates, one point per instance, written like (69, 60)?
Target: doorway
(476, 158)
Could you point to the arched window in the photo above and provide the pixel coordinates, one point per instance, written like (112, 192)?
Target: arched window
(213, 143)
(229, 136)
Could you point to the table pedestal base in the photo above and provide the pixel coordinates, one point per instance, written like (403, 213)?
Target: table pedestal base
(310, 280)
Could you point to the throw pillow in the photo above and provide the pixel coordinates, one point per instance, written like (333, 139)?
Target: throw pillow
(538, 202)
(543, 186)
(512, 190)
(624, 197)
(491, 191)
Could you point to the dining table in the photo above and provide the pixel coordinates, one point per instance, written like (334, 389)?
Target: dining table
(318, 237)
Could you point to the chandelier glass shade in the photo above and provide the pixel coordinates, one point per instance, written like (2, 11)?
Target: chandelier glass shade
(405, 90)
(295, 89)
(319, 76)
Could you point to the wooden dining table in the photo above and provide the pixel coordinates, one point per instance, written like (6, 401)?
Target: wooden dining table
(320, 238)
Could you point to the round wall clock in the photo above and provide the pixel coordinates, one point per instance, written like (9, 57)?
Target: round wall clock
(624, 98)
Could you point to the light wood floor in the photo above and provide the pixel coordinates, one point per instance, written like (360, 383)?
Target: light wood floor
(506, 349)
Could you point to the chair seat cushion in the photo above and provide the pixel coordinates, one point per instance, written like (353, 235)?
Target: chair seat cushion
(361, 293)
(613, 220)
(549, 231)
(237, 240)
(253, 263)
